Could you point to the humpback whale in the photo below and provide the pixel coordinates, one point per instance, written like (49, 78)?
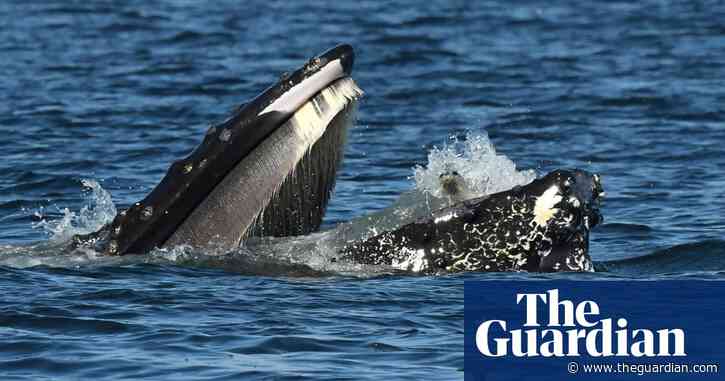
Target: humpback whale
(267, 170)
(540, 227)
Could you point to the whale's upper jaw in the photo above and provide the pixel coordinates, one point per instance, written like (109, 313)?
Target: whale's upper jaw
(293, 90)
(152, 221)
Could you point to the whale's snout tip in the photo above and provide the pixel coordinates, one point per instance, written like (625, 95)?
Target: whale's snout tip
(343, 53)
(346, 57)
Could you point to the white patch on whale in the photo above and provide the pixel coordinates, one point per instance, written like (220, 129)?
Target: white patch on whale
(298, 95)
(414, 261)
(445, 218)
(544, 208)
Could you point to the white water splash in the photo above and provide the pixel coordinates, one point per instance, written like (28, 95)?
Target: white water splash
(475, 159)
(97, 211)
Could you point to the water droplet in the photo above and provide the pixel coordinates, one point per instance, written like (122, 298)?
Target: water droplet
(146, 213)
(113, 247)
(188, 167)
(117, 230)
(202, 163)
(225, 135)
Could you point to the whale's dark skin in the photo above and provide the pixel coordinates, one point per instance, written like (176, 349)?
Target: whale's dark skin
(540, 227)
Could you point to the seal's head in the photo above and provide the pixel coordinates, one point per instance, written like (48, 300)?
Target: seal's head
(453, 185)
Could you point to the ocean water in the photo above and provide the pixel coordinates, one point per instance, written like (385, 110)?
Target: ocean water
(97, 98)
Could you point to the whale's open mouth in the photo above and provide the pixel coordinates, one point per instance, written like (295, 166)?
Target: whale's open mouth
(267, 170)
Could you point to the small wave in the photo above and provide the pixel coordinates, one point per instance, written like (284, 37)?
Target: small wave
(620, 227)
(55, 322)
(194, 36)
(268, 259)
(699, 257)
(429, 21)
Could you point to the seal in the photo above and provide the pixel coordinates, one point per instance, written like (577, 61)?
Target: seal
(454, 187)
(540, 227)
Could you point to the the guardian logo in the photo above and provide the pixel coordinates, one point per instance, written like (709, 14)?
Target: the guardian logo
(571, 329)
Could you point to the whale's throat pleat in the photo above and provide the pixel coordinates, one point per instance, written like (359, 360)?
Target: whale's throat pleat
(283, 186)
(298, 206)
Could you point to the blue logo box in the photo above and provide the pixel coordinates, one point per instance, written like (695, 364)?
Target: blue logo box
(590, 330)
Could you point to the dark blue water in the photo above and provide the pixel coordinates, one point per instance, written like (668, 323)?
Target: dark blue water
(114, 93)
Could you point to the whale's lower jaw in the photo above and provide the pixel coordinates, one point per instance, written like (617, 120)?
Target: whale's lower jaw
(282, 187)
